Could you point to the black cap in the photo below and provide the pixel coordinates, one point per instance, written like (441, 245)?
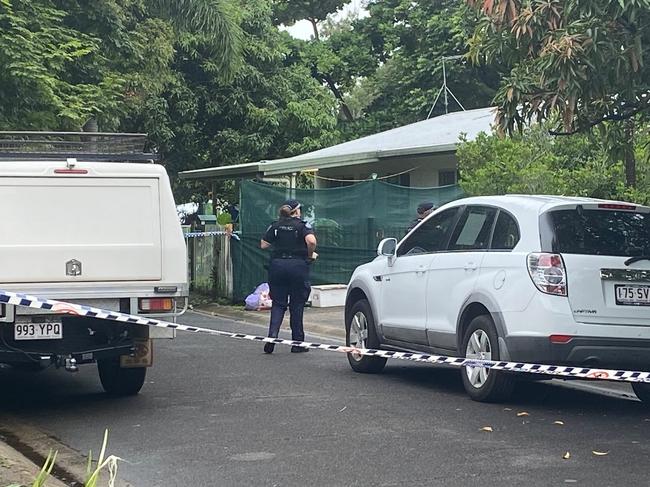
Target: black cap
(293, 204)
(425, 206)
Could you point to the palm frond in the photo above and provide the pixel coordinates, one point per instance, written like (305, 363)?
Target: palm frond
(217, 20)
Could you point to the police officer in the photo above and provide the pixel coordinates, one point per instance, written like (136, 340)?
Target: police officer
(292, 243)
(424, 209)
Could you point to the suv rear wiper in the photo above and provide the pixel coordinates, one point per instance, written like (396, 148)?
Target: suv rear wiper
(632, 260)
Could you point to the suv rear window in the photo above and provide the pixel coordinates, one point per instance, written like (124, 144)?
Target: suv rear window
(596, 232)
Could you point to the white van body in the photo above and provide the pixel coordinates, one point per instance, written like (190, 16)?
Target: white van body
(104, 234)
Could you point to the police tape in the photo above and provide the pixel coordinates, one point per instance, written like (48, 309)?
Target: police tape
(24, 300)
(210, 234)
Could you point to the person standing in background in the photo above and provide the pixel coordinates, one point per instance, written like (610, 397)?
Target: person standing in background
(424, 209)
(293, 244)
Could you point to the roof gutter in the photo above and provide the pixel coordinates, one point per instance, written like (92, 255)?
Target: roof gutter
(288, 166)
(223, 172)
(421, 150)
(280, 167)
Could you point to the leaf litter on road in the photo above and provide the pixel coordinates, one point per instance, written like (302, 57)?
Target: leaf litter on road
(522, 413)
(487, 428)
(600, 453)
(567, 455)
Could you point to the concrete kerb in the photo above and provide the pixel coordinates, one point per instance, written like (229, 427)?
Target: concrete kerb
(16, 468)
(328, 322)
(23, 450)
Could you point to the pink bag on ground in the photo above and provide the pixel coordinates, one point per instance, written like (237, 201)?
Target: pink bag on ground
(259, 299)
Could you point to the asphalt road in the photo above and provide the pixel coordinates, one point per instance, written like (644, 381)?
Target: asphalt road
(220, 412)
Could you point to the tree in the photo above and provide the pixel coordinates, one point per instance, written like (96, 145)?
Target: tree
(40, 83)
(409, 40)
(580, 63)
(63, 62)
(216, 20)
(319, 57)
(315, 11)
(534, 162)
(272, 107)
(385, 69)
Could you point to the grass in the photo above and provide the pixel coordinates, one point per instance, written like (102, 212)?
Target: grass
(93, 472)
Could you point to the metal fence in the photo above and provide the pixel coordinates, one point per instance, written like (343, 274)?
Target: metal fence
(211, 269)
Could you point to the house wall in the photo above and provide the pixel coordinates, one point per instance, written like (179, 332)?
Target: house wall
(423, 171)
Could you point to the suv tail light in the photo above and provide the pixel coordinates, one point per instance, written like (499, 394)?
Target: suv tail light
(155, 305)
(548, 273)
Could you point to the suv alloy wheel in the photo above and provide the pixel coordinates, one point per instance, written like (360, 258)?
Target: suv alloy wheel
(360, 333)
(481, 342)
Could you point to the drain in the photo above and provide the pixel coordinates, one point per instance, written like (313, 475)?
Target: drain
(37, 458)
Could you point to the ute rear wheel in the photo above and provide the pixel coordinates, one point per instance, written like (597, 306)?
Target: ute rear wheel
(119, 381)
(360, 333)
(481, 342)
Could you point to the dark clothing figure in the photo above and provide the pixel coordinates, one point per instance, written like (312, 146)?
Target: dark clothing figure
(288, 276)
(424, 209)
(233, 210)
(414, 224)
(287, 236)
(289, 284)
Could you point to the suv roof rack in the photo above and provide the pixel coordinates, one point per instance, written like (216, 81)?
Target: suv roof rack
(85, 146)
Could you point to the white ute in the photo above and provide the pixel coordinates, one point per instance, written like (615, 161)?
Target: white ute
(103, 234)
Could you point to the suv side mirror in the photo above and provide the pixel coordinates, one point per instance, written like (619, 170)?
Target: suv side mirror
(387, 247)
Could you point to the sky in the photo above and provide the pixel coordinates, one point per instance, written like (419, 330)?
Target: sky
(304, 30)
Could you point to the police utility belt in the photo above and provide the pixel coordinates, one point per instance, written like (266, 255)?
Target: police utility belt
(289, 255)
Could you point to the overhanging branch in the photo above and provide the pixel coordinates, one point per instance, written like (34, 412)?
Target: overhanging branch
(614, 117)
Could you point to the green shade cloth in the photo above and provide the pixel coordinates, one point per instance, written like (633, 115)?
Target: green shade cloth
(349, 222)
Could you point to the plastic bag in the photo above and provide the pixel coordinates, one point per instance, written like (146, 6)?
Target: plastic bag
(259, 299)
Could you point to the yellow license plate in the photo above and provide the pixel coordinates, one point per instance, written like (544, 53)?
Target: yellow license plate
(143, 356)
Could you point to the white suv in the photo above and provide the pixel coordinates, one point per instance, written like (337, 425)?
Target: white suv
(542, 279)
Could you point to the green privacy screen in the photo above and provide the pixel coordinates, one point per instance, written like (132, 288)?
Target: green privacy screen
(349, 222)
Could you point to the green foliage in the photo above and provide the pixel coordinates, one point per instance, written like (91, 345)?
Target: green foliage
(103, 463)
(533, 162)
(63, 62)
(409, 40)
(51, 75)
(386, 69)
(46, 470)
(581, 60)
(216, 21)
(108, 463)
(270, 109)
(289, 11)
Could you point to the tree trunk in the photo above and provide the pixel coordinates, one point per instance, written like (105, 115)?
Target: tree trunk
(90, 142)
(91, 125)
(630, 159)
(314, 24)
(339, 96)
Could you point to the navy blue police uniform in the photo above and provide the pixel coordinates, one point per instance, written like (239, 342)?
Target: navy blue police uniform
(288, 276)
(421, 210)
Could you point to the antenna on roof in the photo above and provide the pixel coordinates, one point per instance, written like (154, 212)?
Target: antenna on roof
(444, 88)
